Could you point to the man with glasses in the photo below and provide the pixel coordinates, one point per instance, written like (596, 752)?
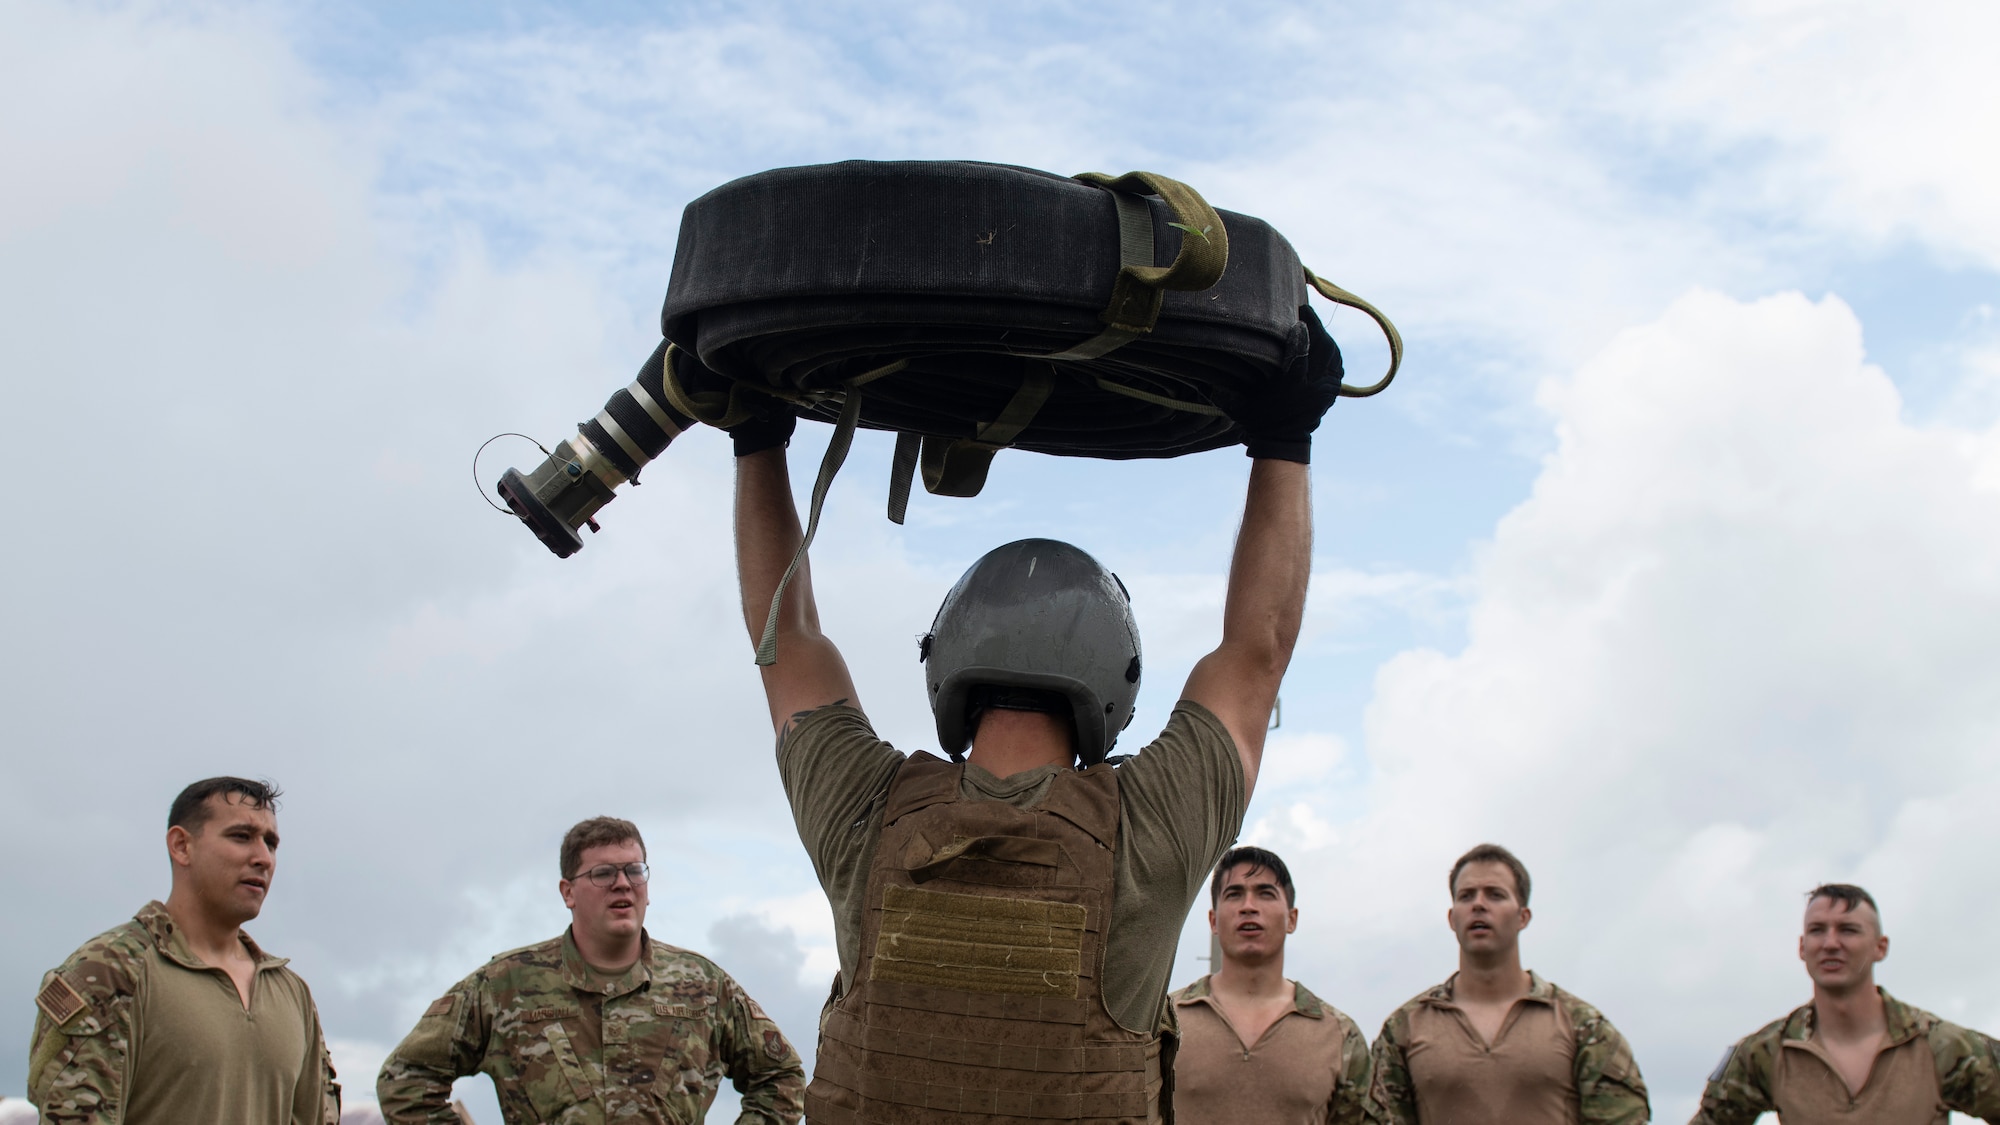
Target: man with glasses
(601, 1024)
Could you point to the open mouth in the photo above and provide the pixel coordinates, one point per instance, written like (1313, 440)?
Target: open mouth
(1479, 928)
(259, 885)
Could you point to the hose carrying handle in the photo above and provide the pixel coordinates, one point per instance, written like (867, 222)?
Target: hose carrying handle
(1204, 252)
(1341, 296)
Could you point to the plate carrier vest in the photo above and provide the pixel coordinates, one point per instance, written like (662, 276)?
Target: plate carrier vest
(978, 998)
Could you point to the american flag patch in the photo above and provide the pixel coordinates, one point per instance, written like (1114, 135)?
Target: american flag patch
(59, 1001)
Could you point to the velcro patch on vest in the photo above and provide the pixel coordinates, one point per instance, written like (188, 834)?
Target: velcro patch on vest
(441, 1006)
(59, 1001)
(979, 943)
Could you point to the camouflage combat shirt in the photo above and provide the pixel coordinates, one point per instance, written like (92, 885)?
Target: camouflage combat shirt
(1556, 1060)
(1926, 1068)
(134, 1029)
(566, 1043)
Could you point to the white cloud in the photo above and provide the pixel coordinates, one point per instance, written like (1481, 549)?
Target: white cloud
(1871, 117)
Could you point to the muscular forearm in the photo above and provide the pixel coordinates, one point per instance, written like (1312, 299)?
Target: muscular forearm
(767, 536)
(1273, 559)
(809, 672)
(1239, 681)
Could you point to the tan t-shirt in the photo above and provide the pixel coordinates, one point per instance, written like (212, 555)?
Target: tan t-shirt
(1311, 1067)
(1180, 806)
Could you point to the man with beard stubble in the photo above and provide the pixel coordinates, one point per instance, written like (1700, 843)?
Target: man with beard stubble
(177, 1016)
(1496, 1044)
(1854, 1055)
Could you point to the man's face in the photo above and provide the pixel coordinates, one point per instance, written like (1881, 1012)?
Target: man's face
(1486, 913)
(613, 912)
(1841, 944)
(1251, 916)
(229, 860)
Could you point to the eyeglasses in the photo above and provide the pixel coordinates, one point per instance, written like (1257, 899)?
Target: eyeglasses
(605, 874)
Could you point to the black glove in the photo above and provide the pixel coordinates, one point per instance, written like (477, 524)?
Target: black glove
(764, 428)
(1278, 418)
(760, 421)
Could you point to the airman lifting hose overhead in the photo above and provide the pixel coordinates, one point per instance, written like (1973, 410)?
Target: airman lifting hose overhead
(1005, 915)
(968, 307)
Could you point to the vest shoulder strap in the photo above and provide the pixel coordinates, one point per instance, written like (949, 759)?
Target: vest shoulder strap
(921, 781)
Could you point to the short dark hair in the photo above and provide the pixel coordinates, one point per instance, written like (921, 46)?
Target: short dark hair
(1257, 858)
(190, 810)
(1492, 853)
(595, 833)
(1846, 894)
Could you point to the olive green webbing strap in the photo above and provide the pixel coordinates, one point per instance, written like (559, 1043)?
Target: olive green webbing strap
(1135, 248)
(957, 466)
(1141, 286)
(1341, 296)
(836, 452)
(902, 470)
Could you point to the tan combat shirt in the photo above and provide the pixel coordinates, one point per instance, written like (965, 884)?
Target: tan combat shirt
(1311, 1067)
(564, 1042)
(137, 1030)
(1555, 1061)
(1180, 806)
(1925, 1069)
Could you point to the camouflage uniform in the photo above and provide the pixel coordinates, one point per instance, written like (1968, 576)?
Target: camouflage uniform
(1608, 1087)
(565, 1043)
(1960, 1062)
(135, 1029)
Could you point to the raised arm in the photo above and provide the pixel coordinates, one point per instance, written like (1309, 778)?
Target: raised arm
(1260, 618)
(1267, 576)
(809, 673)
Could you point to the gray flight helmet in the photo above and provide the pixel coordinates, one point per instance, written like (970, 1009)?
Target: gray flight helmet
(1036, 613)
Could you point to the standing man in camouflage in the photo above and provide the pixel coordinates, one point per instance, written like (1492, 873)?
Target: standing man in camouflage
(1255, 1046)
(1006, 921)
(1496, 1044)
(1855, 1055)
(177, 1016)
(600, 1025)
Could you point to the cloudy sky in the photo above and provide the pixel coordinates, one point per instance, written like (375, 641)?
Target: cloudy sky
(1672, 560)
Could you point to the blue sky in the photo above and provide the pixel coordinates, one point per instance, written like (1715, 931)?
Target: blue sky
(1670, 558)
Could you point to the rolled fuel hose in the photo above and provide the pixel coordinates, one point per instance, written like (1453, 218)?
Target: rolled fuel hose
(968, 307)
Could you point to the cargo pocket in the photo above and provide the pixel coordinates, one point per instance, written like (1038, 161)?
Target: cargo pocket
(551, 1078)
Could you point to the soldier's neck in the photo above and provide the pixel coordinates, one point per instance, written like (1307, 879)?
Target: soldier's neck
(1850, 1014)
(215, 938)
(1011, 742)
(1253, 980)
(609, 954)
(1491, 978)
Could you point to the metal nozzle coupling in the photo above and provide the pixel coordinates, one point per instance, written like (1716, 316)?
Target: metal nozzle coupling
(565, 491)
